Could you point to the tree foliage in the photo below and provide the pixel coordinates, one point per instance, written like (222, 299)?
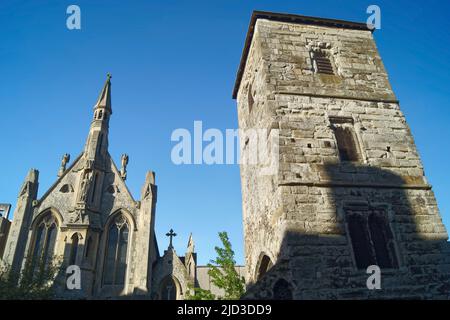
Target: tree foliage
(195, 293)
(223, 270)
(33, 282)
(223, 275)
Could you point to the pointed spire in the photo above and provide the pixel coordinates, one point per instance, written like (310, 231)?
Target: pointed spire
(104, 100)
(191, 245)
(97, 142)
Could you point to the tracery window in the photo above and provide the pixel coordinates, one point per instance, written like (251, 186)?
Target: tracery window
(45, 239)
(115, 265)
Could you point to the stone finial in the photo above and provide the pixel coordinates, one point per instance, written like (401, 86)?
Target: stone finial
(123, 169)
(65, 159)
(190, 245)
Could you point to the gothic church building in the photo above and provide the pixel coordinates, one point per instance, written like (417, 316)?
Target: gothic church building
(89, 218)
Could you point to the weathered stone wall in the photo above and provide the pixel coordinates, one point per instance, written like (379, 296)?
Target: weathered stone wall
(296, 217)
(204, 280)
(170, 265)
(285, 48)
(4, 230)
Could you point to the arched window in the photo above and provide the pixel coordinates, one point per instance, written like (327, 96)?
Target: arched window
(45, 239)
(115, 265)
(264, 266)
(282, 290)
(168, 289)
(100, 114)
(74, 249)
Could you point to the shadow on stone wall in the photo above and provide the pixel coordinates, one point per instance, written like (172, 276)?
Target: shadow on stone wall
(405, 238)
(60, 285)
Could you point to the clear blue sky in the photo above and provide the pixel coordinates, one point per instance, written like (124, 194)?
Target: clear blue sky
(174, 62)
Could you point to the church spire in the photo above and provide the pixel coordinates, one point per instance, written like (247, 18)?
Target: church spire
(97, 142)
(104, 99)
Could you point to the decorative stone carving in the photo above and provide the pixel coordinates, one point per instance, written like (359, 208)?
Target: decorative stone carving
(85, 185)
(75, 216)
(64, 161)
(89, 165)
(120, 221)
(123, 169)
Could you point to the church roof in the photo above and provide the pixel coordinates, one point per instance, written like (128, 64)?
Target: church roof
(104, 99)
(290, 18)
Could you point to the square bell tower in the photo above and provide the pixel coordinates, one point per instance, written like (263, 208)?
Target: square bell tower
(349, 189)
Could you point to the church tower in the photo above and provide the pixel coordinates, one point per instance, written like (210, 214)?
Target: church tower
(348, 190)
(88, 218)
(97, 142)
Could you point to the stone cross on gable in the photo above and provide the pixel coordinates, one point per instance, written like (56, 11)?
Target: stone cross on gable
(171, 234)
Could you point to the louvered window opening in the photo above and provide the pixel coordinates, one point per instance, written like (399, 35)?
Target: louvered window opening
(323, 63)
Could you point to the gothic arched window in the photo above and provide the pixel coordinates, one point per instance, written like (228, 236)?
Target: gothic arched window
(168, 289)
(45, 239)
(115, 265)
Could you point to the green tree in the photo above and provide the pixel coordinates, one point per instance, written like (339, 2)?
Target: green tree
(223, 275)
(195, 293)
(31, 283)
(223, 270)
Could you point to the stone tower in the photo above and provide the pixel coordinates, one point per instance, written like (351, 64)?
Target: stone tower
(349, 190)
(89, 218)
